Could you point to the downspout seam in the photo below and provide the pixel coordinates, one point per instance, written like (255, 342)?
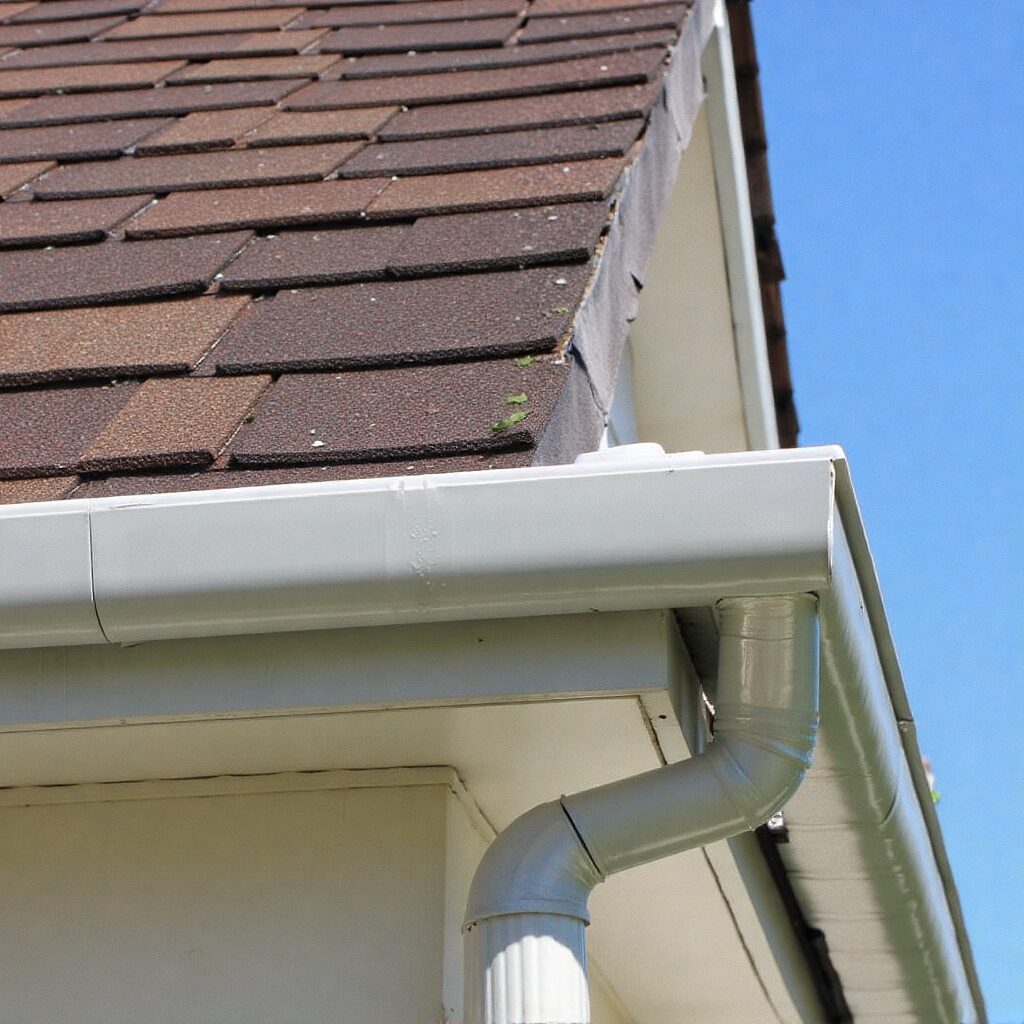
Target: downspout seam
(579, 836)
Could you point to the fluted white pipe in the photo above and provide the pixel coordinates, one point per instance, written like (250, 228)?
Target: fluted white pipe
(528, 968)
(528, 900)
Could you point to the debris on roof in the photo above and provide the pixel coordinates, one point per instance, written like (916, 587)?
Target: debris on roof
(244, 242)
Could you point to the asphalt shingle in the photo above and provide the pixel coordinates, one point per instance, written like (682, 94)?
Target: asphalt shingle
(399, 414)
(386, 65)
(204, 47)
(391, 323)
(505, 149)
(10, 11)
(460, 243)
(413, 13)
(43, 433)
(48, 33)
(317, 257)
(17, 492)
(435, 35)
(470, 118)
(91, 78)
(469, 242)
(253, 69)
(537, 185)
(135, 103)
(550, 8)
(319, 126)
(92, 141)
(204, 129)
(173, 422)
(13, 176)
(112, 271)
(151, 26)
(626, 68)
(88, 220)
(112, 341)
(547, 30)
(185, 213)
(226, 168)
(53, 10)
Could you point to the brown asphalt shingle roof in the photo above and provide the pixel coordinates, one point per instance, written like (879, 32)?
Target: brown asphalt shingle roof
(381, 252)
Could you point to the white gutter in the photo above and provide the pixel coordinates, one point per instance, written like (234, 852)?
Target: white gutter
(524, 934)
(676, 531)
(547, 540)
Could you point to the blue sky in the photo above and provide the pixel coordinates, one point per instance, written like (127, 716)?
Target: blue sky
(896, 137)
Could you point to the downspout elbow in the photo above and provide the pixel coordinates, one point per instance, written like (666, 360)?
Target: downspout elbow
(532, 885)
(536, 866)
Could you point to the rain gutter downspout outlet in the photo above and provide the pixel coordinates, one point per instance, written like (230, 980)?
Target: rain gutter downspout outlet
(525, 950)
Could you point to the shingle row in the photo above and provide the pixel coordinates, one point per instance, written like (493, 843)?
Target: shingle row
(112, 271)
(625, 68)
(303, 419)
(198, 48)
(440, 250)
(437, 61)
(462, 243)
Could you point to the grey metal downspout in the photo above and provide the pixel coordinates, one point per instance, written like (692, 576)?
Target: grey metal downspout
(527, 909)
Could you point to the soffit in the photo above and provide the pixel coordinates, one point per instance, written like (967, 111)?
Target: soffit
(652, 927)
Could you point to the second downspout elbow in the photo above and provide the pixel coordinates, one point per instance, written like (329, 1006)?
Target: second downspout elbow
(766, 720)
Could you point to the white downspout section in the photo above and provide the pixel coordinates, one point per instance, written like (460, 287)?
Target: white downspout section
(524, 934)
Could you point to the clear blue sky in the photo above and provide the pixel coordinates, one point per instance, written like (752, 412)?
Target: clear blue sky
(896, 147)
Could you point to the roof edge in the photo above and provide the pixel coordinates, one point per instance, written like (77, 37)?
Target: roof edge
(602, 322)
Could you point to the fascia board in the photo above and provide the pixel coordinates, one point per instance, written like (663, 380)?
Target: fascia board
(676, 530)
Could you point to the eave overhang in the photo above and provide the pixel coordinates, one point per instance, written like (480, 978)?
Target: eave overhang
(678, 531)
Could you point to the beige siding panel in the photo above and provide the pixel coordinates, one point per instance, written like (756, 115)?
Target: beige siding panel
(304, 907)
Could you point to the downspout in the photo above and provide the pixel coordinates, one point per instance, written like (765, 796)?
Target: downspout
(525, 949)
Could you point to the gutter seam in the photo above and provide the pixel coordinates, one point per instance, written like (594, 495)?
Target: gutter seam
(92, 573)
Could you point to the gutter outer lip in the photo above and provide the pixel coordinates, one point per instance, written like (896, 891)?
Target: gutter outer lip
(656, 533)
